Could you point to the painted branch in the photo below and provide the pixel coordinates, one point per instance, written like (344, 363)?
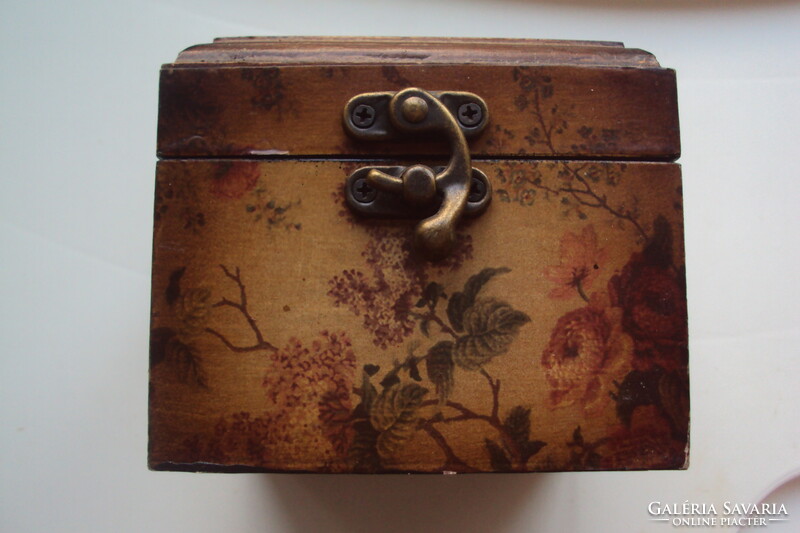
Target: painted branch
(260, 343)
(452, 461)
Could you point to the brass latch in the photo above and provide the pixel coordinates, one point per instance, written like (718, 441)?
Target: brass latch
(440, 195)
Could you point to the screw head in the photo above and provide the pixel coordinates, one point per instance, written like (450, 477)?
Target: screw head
(470, 114)
(477, 190)
(362, 192)
(363, 116)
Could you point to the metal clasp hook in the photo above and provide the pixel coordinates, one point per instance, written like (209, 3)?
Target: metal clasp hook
(441, 194)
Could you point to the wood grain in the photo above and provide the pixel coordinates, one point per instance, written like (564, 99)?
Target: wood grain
(411, 50)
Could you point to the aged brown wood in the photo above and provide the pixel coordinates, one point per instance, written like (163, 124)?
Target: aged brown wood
(371, 50)
(289, 334)
(269, 96)
(608, 113)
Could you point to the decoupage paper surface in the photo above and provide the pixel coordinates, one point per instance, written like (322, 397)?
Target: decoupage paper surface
(289, 334)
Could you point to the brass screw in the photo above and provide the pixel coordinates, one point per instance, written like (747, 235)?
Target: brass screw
(477, 191)
(363, 116)
(470, 114)
(362, 192)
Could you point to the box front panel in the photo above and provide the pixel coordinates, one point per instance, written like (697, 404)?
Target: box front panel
(290, 335)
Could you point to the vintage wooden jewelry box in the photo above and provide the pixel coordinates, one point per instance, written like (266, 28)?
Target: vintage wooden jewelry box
(418, 255)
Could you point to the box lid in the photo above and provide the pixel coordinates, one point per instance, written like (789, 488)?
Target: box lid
(283, 96)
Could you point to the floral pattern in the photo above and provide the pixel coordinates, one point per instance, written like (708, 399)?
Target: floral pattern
(175, 347)
(475, 331)
(627, 349)
(579, 264)
(616, 352)
(229, 181)
(299, 384)
(652, 292)
(587, 350)
(405, 365)
(387, 292)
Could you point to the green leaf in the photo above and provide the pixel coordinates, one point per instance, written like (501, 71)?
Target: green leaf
(455, 310)
(186, 362)
(391, 379)
(497, 456)
(394, 403)
(461, 301)
(433, 291)
(475, 283)
(518, 425)
(394, 415)
(577, 437)
(531, 448)
(491, 326)
(368, 391)
(173, 291)
(159, 339)
(413, 369)
(362, 455)
(425, 327)
(439, 366)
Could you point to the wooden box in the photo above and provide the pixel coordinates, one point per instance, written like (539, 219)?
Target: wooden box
(291, 333)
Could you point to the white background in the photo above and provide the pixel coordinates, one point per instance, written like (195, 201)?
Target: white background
(78, 104)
